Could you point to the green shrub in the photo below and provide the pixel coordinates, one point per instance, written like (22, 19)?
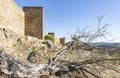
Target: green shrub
(49, 37)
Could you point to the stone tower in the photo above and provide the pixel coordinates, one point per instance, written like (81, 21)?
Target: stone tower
(62, 40)
(34, 21)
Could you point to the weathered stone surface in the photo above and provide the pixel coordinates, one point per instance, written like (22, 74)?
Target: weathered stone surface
(34, 21)
(21, 47)
(57, 43)
(11, 16)
(49, 44)
(27, 22)
(62, 41)
(7, 39)
(31, 49)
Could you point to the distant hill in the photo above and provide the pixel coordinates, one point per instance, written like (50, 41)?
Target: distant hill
(106, 45)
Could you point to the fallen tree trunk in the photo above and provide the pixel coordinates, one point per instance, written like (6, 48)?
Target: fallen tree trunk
(15, 69)
(12, 68)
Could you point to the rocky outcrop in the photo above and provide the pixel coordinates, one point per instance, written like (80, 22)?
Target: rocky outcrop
(25, 48)
(49, 44)
(29, 57)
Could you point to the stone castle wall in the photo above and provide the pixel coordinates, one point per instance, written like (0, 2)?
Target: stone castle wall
(34, 21)
(28, 21)
(11, 16)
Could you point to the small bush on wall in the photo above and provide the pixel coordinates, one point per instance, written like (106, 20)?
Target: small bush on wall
(49, 37)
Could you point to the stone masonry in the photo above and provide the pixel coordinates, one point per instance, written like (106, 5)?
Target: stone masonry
(34, 21)
(27, 22)
(62, 40)
(11, 17)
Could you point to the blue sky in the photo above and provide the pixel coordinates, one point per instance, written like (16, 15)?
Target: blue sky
(63, 16)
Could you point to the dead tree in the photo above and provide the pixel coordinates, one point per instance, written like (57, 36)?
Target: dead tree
(88, 62)
(92, 67)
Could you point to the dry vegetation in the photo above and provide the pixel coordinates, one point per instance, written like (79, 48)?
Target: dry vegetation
(76, 59)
